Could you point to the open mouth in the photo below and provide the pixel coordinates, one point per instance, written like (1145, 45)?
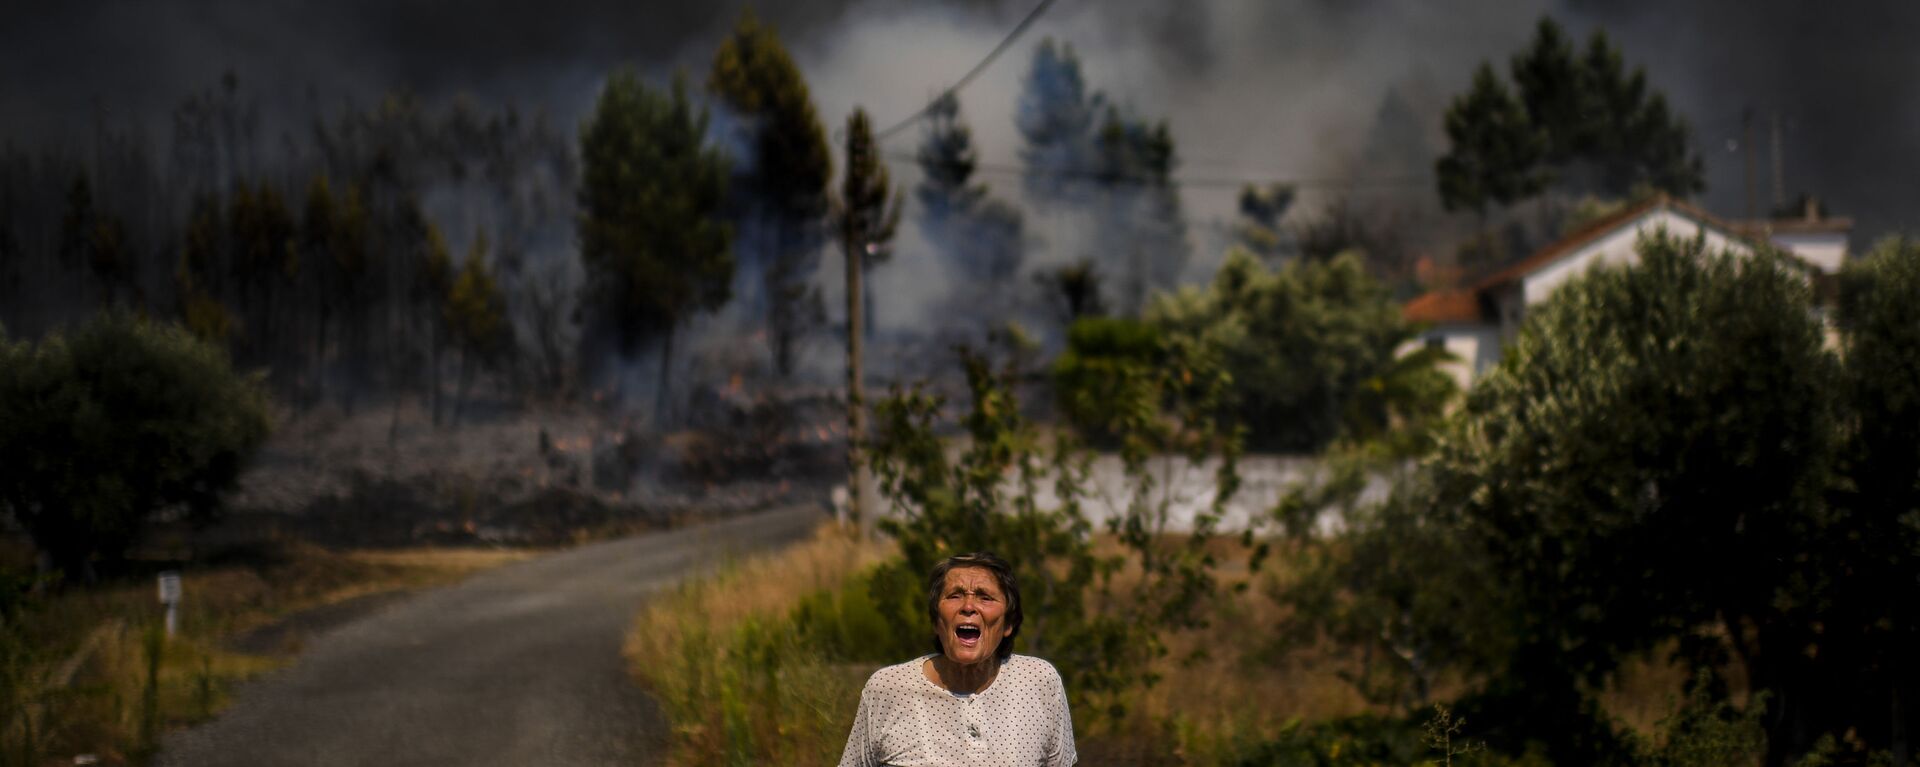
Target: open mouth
(968, 635)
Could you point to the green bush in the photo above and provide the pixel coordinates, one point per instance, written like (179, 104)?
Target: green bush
(123, 419)
(1310, 350)
(1108, 375)
(992, 495)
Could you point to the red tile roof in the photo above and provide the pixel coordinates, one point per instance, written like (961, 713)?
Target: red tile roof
(1463, 304)
(1439, 307)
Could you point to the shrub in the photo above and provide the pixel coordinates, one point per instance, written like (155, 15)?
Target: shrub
(125, 418)
(1309, 349)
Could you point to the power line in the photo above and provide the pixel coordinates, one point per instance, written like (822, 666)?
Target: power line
(1214, 182)
(975, 72)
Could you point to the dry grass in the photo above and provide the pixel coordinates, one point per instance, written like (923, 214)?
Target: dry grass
(717, 655)
(1222, 688)
(78, 682)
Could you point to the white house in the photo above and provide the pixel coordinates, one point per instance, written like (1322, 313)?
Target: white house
(1473, 321)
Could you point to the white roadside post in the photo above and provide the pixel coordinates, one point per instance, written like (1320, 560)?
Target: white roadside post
(170, 597)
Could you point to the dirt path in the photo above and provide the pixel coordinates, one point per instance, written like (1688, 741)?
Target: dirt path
(515, 666)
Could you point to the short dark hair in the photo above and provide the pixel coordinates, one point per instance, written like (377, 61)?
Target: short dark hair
(1002, 573)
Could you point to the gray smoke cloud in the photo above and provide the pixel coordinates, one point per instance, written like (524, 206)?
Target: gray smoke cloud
(1284, 89)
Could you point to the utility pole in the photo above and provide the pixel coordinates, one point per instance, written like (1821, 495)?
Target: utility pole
(856, 405)
(867, 215)
(1779, 174)
(1746, 142)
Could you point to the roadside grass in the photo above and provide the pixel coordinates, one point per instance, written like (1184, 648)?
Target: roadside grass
(742, 682)
(88, 670)
(720, 653)
(738, 689)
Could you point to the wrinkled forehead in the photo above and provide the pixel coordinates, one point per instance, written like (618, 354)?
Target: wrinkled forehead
(971, 579)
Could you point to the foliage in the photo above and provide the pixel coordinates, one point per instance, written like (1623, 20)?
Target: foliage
(979, 237)
(780, 194)
(1309, 349)
(1606, 132)
(1707, 731)
(1259, 230)
(1365, 741)
(988, 495)
(1084, 154)
(122, 420)
(1109, 376)
(721, 655)
(1495, 148)
(1642, 416)
(1411, 593)
(1074, 290)
(1579, 121)
(1144, 232)
(1056, 115)
(865, 215)
(650, 236)
(1873, 544)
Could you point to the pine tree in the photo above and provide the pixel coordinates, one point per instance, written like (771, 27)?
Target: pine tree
(979, 238)
(780, 198)
(1056, 117)
(1496, 148)
(1144, 232)
(651, 237)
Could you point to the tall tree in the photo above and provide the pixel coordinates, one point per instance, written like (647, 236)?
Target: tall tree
(335, 237)
(1143, 230)
(780, 195)
(865, 216)
(1874, 547)
(980, 238)
(264, 260)
(1597, 129)
(1496, 150)
(1641, 417)
(651, 237)
(1056, 117)
(476, 317)
(1261, 209)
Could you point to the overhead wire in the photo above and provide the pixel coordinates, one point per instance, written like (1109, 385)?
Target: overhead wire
(1019, 29)
(1213, 182)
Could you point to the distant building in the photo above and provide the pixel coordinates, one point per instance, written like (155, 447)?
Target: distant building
(1474, 320)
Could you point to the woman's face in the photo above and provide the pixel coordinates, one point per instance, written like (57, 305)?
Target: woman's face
(972, 615)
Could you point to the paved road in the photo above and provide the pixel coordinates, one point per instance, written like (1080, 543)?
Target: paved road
(515, 666)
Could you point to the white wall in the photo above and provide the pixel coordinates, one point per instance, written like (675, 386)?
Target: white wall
(1826, 250)
(1617, 247)
(1476, 347)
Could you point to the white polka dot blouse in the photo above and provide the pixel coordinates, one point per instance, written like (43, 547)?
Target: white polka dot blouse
(905, 720)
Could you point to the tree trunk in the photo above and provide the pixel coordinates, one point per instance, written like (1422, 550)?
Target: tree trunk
(856, 415)
(661, 400)
(462, 385)
(433, 374)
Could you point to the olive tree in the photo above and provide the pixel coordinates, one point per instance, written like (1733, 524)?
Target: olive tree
(125, 418)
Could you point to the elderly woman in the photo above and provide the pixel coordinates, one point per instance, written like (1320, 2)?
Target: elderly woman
(972, 701)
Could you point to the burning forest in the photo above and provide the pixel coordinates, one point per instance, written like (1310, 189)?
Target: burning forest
(1351, 383)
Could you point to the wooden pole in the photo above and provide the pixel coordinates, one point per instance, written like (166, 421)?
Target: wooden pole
(856, 408)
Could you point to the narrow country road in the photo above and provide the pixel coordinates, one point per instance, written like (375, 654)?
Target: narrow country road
(515, 666)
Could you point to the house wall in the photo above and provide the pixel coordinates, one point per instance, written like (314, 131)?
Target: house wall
(1476, 347)
(1827, 250)
(1616, 248)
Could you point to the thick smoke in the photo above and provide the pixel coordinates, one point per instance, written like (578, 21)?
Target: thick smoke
(1291, 89)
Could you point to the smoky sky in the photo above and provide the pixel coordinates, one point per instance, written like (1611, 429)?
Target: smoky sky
(1252, 88)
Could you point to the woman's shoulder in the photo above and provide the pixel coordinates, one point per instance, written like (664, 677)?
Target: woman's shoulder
(1030, 667)
(904, 675)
